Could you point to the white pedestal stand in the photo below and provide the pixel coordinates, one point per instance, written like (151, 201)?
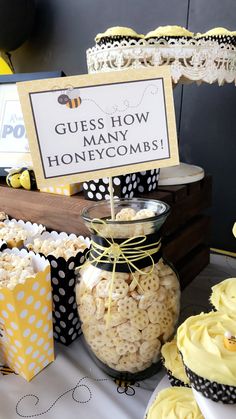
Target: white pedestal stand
(189, 61)
(181, 174)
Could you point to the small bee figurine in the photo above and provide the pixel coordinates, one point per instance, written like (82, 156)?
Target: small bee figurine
(13, 178)
(71, 98)
(21, 177)
(27, 179)
(230, 341)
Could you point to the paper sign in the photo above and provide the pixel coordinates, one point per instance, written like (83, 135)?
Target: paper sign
(14, 148)
(90, 126)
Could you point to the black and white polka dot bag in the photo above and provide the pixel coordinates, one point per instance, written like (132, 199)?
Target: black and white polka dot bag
(66, 323)
(3, 245)
(148, 180)
(123, 187)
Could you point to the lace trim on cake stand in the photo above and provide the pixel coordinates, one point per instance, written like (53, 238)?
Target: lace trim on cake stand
(189, 59)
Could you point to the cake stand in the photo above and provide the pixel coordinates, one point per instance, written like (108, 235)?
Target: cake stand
(189, 60)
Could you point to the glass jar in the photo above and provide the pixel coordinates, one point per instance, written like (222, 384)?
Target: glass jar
(127, 295)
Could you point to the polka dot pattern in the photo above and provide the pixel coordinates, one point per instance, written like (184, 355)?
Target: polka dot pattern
(123, 187)
(3, 245)
(175, 382)
(148, 180)
(63, 288)
(211, 389)
(26, 326)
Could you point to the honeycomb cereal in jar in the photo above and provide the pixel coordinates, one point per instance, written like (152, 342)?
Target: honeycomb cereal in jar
(130, 314)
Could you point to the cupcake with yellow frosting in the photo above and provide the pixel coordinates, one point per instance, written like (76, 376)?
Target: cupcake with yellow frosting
(168, 33)
(208, 349)
(234, 226)
(117, 33)
(174, 403)
(220, 35)
(174, 365)
(223, 297)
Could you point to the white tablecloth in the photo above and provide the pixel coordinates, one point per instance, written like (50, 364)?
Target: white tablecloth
(74, 387)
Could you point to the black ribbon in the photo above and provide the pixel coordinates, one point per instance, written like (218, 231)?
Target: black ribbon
(107, 264)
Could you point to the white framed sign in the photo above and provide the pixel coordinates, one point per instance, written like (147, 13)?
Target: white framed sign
(14, 147)
(91, 126)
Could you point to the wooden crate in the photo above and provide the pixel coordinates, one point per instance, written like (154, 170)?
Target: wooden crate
(185, 233)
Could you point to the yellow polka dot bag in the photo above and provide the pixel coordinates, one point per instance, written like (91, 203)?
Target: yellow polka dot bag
(26, 332)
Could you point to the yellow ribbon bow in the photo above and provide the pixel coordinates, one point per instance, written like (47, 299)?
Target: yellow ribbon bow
(127, 252)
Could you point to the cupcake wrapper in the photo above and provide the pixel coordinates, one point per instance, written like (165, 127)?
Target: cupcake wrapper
(221, 39)
(158, 39)
(116, 38)
(175, 382)
(212, 390)
(148, 180)
(66, 323)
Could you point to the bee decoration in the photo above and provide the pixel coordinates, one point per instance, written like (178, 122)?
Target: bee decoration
(230, 341)
(71, 98)
(21, 177)
(4, 370)
(13, 178)
(27, 179)
(126, 387)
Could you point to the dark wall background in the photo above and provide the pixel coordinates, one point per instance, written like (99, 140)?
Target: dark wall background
(64, 29)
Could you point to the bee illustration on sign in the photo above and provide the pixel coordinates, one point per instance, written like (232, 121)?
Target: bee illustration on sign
(71, 98)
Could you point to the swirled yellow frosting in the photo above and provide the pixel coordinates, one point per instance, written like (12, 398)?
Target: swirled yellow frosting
(234, 226)
(169, 31)
(200, 339)
(175, 403)
(173, 361)
(118, 31)
(223, 296)
(215, 32)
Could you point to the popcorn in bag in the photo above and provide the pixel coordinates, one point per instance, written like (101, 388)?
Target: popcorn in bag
(26, 313)
(65, 253)
(16, 232)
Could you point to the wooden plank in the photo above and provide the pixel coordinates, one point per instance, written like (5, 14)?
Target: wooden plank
(194, 233)
(178, 191)
(194, 187)
(57, 212)
(195, 199)
(158, 194)
(189, 207)
(192, 264)
(61, 213)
